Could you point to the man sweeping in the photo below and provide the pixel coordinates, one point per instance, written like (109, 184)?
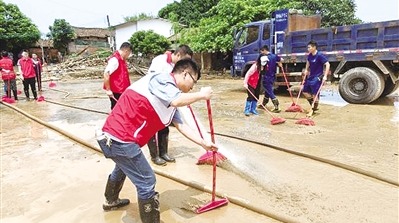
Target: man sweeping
(314, 74)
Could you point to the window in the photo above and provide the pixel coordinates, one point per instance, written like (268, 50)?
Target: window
(248, 35)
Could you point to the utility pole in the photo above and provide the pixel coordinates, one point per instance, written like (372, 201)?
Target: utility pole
(112, 40)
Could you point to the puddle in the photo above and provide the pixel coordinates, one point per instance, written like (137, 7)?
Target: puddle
(332, 97)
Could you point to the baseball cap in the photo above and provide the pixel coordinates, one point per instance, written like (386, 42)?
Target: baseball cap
(264, 60)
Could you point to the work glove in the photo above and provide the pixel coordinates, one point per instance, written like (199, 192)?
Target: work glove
(109, 93)
(324, 78)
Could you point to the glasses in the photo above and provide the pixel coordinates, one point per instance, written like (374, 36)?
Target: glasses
(195, 81)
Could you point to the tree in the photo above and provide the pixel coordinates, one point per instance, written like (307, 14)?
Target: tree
(215, 32)
(135, 18)
(62, 34)
(16, 31)
(187, 12)
(149, 43)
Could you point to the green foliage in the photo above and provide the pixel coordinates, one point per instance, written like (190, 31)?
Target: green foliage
(16, 30)
(61, 32)
(187, 12)
(333, 12)
(135, 18)
(215, 31)
(149, 43)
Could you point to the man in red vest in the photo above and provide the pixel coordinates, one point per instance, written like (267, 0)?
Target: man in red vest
(28, 75)
(158, 144)
(147, 106)
(8, 75)
(116, 74)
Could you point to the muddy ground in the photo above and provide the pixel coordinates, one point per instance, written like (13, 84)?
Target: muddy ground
(47, 177)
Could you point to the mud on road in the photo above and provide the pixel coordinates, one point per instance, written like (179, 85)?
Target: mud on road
(47, 177)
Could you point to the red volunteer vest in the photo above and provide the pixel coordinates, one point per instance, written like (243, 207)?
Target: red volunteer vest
(27, 67)
(253, 79)
(138, 115)
(119, 80)
(6, 63)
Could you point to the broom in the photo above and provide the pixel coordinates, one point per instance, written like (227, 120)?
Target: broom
(275, 120)
(8, 98)
(307, 120)
(295, 107)
(207, 158)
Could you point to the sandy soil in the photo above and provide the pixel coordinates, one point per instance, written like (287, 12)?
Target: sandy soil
(47, 177)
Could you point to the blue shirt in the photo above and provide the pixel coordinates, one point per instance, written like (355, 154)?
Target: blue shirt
(316, 64)
(271, 66)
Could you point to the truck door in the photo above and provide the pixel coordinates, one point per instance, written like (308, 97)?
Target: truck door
(246, 48)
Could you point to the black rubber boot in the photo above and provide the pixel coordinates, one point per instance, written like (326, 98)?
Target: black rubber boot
(264, 102)
(155, 158)
(163, 138)
(276, 104)
(149, 209)
(111, 194)
(316, 105)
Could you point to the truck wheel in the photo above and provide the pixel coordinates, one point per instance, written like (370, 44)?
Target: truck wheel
(390, 87)
(361, 85)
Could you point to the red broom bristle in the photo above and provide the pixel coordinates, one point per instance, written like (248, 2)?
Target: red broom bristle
(305, 121)
(294, 108)
(277, 120)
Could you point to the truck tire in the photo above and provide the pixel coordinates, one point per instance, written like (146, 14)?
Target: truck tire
(361, 85)
(390, 87)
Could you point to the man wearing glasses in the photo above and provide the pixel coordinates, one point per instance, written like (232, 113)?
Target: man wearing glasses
(158, 144)
(144, 108)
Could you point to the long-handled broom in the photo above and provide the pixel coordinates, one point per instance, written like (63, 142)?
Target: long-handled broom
(207, 158)
(295, 107)
(213, 203)
(275, 120)
(307, 120)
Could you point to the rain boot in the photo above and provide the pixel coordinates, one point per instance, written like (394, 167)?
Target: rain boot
(153, 147)
(247, 109)
(264, 102)
(276, 104)
(149, 209)
(310, 100)
(163, 138)
(111, 194)
(253, 108)
(316, 105)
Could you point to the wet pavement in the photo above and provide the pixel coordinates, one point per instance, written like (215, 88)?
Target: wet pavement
(46, 177)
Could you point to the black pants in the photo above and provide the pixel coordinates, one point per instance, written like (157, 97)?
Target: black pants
(32, 83)
(113, 101)
(163, 138)
(39, 80)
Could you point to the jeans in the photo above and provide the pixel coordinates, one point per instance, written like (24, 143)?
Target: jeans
(130, 161)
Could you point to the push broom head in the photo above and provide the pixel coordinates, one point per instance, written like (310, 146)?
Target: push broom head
(207, 158)
(40, 98)
(305, 121)
(8, 100)
(294, 108)
(52, 84)
(277, 120)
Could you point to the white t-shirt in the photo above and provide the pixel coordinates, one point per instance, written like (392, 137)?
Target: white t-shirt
(111, 66)
(160, 65)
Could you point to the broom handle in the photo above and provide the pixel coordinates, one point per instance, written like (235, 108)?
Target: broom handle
(195, 120)
(317, 94)
(300, 90)
(260, 103)
(288, 85)
(208, 104)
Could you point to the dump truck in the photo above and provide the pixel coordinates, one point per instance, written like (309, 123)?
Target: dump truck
(364, 58)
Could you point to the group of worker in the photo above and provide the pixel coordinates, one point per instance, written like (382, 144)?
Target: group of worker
(29, 69)
(263, 72)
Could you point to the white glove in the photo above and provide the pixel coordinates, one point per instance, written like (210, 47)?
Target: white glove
(325, 78)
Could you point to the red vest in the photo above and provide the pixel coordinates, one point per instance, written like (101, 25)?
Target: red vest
(119, 80)
(6, 63)
(253, 80)
(138, 115)
(27, 67)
